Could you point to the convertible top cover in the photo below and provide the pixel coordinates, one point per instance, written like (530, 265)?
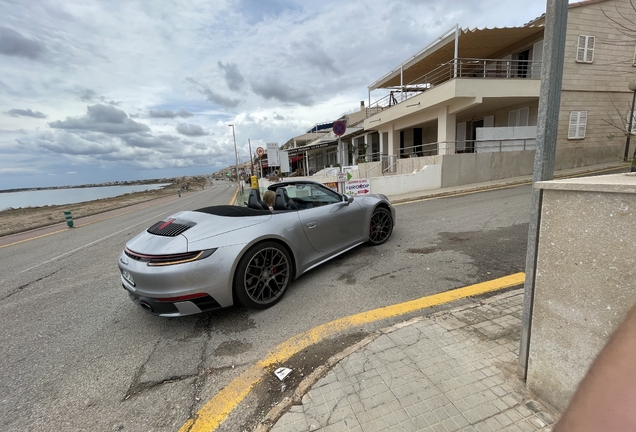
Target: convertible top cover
(232, 211)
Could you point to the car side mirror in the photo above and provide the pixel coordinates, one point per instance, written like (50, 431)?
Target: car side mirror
(347, 199)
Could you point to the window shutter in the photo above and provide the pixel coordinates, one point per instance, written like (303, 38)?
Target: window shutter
(578, 123)
(585, 49)
(580, 53)
(582, 124)
(589, 49)
(573, 120)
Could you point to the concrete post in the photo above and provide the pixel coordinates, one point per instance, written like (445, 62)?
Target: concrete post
(446, 131)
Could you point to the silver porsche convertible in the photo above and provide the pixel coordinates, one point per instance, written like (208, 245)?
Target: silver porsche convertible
(214, 257)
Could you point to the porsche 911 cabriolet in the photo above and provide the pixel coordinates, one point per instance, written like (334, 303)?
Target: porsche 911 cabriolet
(214, 257)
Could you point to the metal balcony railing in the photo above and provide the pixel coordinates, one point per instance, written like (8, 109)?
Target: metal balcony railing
(458, 68)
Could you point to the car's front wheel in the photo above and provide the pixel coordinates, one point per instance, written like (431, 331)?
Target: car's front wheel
(263, 275)
(381, 226)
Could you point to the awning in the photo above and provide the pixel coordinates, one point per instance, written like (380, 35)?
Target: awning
(474, 44)
(328, 140)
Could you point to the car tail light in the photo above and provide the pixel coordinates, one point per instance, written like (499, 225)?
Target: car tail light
(171, 259)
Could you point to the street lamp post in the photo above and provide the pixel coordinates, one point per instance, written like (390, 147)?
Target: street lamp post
(238, 180)
(251, 158)
(632, 87)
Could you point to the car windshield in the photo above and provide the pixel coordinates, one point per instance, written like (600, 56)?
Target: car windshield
(308, 195)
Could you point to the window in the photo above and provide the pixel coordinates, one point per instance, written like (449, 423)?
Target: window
(585, 50)
(578, 121)
(306, 196)
(634, 59)
(332, 158)
(518, 117)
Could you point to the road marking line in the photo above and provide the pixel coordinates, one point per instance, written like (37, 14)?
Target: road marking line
(217, 409)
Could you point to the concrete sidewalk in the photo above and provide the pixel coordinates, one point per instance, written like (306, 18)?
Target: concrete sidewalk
(453, 371)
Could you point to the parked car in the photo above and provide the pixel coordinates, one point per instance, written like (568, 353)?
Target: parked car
(214, 257)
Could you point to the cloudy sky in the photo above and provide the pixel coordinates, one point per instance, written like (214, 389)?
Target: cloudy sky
(94, 91)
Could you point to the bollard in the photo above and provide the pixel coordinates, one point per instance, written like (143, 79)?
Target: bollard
(69, 219)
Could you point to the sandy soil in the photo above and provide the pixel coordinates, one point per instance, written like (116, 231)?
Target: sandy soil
(23, 219)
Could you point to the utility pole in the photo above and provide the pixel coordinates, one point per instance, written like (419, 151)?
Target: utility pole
(556, 18)
(238, 180)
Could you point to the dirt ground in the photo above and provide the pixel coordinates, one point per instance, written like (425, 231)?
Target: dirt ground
(23, 219)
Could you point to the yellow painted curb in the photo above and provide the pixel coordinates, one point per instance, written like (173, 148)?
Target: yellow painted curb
(217, 409)
(233, 200)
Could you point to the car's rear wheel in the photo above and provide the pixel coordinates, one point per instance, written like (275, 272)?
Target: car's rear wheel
(263, 275)
(381, 226)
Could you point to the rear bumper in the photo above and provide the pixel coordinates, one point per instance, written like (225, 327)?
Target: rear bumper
(173, 309)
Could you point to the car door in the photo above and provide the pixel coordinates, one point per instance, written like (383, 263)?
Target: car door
(330, 223)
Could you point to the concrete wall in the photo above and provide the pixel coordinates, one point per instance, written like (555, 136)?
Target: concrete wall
(427, 178)
(586, 278)
(467, 168)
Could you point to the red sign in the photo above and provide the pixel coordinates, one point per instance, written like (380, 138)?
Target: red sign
(339, 128)
(260, 151)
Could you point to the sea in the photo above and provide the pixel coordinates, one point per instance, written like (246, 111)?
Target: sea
(40, 198)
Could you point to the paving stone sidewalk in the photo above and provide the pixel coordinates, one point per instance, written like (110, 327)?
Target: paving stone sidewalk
(453, 371)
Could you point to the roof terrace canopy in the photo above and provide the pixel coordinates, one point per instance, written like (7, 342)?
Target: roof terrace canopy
(476, 43)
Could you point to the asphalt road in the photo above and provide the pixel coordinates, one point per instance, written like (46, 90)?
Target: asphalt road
(77, 354)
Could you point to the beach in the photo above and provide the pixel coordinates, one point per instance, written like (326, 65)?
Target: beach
(14, 221)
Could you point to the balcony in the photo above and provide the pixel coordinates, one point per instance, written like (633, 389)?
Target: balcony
(458, 68)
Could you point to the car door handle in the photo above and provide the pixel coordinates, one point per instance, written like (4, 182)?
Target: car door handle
(311, 224)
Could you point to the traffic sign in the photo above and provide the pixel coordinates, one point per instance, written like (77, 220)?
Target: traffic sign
(358, 187)
(342, 177)
(260, 151)
(339, 128)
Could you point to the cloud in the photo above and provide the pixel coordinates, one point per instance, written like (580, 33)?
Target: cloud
(219, 99)
(162, 142)
(190, 130)
(102, 118)
(169, 113)
(233, 77)
(17, 171)
(13, 43)
(63, 142)
(272, 88)
(25, 113)
(212, 96)
(87, 95)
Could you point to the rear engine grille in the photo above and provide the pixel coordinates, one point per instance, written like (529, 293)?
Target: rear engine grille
(170, 227)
